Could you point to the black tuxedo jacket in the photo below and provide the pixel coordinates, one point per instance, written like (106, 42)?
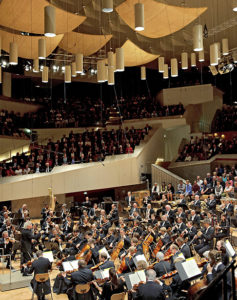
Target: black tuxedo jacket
(162, 268)
(186, 251)
(150, 291)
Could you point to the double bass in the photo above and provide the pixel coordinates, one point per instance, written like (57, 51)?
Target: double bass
(117, 250)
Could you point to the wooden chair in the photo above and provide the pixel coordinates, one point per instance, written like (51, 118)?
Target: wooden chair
(83, 289)
(40, 279)
(120, 296)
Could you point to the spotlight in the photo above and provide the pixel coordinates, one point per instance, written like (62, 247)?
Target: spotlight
(55, 68)
(63, 69)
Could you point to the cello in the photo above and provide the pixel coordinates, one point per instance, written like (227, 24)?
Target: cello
(117, 250)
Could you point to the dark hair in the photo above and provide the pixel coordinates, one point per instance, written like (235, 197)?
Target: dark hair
(113, 277)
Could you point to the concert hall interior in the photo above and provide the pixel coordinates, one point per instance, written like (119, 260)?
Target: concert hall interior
(118, 149)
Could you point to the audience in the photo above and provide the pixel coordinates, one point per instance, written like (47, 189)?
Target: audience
(89, 112)
(9, 125)
(76, 148)
(225, 119)
(207, 147)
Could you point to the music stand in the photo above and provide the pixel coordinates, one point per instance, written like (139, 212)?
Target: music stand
(188, 269)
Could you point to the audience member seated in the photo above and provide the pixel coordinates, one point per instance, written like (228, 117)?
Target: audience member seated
(76, 148)
(225, 119)
(206, 147)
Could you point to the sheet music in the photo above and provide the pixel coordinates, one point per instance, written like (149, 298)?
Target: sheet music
(191, 268)
(105, 273)
(138, 258)
(134, 279)
(229, 248)
(141, 275)
(105, 251)
(67, 266)
(49, 255)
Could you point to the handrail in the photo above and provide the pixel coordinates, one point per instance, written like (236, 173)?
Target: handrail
(168, 172)
(222, 276)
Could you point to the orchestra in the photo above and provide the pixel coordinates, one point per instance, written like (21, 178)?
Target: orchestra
(176, 230)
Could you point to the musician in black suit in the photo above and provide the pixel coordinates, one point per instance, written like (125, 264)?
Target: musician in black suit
(180, 213)
(162, 267)
(106, 264)
(164, 222)
(184, 248)
(164, 236)
(195, 218)
(206, 238)
(222, 228)
(152, 221)
(40, 266)
(182, 201)
(227, 207)
(129, 199)
(44, 212)
(114, 286)
(6, 243)
(26, 242)
(214, 268)
(148, 212)
(113, 215)
(92, 211)
(191, 230)
(211, 204)
(146, 200)
(82, 276)
(151, 290)
(196, 203)
(87, 203)
(133, 209)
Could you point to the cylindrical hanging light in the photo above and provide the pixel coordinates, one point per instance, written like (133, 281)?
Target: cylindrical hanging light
(0, 46)
(234, 55)
(201, 56)
(79, 63)
(197, 37)
(36, 65)
(106, 71)
(13, 56)
(225, 46)
(107, 6)
(0, 74)
(174, 67)
(100, 71)
(234, 5)
(119, 60)
(193, 59)
(74, 74)
(41, 48)
(214, 54)
(139, 16)
(111, 59)
(110, 75)
(184, 60)
(143, 73)
(49, 21)
(166, 72)
(67, 74)
(219, 49)
(161, 63)
(45, 74)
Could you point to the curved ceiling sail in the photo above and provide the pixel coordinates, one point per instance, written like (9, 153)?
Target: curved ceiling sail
(28, 45)
(74, 42)
(134, 56)
(160, 19)
(28, 16)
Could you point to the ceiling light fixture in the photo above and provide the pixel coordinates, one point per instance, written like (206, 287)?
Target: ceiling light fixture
(13, 57)
(234, 5)
(166, 72)
(41, 49)
(143, 73)
(184, 60)
(107, 6)
(161, 63)
(45, 74)
(49, 21)
(197, 38)
(174, 67)
(139, 16)
(119, 60)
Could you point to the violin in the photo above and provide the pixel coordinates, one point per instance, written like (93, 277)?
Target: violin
(95, 267)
